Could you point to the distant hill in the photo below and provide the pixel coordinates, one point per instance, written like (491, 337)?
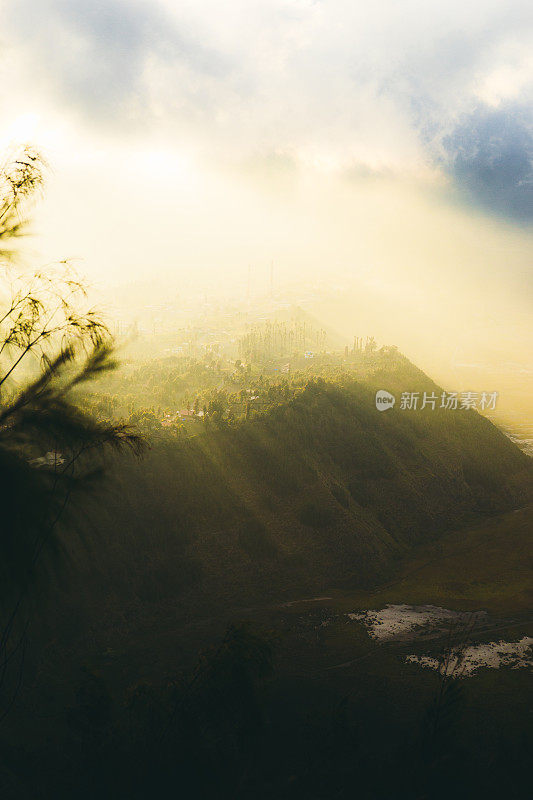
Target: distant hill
(318, 492)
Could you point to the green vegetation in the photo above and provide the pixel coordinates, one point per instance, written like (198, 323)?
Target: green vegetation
(51, 347)
(175, 657)
(488, 566)
(290, 702)
(182, 658)
(333, 490)
(174, 395)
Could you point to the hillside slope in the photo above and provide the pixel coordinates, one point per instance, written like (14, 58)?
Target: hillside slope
(319, 492)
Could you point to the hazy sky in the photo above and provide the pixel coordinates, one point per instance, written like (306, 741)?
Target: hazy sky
(390, 144)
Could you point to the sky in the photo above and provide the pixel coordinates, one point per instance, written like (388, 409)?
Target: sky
(385, 146)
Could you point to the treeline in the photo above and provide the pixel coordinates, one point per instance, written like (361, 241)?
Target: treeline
(172, 395)
(280, 340)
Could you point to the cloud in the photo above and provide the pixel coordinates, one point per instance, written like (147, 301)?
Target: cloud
(93, 55)
(395, 88)
(470, 89)
(490, 156)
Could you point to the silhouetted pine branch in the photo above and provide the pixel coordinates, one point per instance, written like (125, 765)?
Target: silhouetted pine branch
(50, 445)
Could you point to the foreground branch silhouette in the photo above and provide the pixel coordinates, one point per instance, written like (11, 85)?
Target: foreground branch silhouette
(51, 347)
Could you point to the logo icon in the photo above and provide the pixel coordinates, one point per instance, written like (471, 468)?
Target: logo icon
(384, 400)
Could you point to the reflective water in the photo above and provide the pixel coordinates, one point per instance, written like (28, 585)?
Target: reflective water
(408, 622)
(493, 655)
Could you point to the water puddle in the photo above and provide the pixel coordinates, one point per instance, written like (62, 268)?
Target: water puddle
(419, 624)
(407, 622)
(493, 655)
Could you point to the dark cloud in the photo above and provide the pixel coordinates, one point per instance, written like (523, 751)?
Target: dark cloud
(490, 156)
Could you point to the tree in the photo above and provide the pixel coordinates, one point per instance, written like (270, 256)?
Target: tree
(51, 347)
(371, 345)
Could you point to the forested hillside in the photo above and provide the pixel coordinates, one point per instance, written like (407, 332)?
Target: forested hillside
(319, 491)
(174, 649)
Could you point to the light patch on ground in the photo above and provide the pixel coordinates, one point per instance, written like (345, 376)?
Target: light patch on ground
(516, 655)
(407, 622)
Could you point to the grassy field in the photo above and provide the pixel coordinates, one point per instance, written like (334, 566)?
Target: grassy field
(339, 710)
(488, 566)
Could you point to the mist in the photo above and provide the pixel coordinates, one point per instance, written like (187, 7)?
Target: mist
(266, 399)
